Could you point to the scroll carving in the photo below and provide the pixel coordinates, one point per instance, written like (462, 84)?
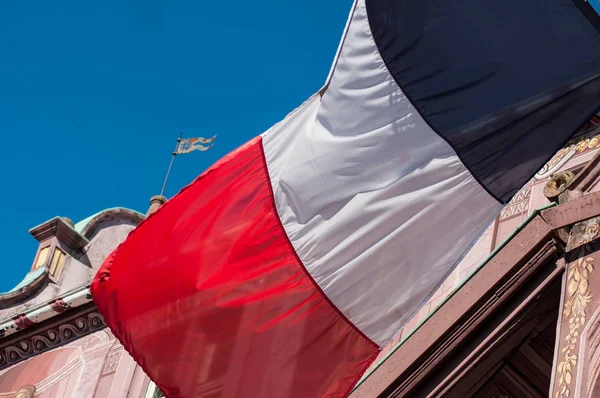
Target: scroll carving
(50, 338)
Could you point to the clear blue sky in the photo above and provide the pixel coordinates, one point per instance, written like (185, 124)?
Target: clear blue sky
(94, 94)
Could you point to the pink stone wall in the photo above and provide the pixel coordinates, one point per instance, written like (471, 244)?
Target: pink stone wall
(95, 366)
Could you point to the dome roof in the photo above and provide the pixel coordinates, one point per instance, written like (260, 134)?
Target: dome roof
(86, 225)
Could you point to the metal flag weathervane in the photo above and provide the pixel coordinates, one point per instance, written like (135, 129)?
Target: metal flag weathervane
(187, 145)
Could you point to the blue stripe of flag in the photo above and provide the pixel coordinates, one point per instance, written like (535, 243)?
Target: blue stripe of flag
(505, 83)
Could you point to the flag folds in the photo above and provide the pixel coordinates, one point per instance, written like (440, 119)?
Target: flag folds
(285, 267)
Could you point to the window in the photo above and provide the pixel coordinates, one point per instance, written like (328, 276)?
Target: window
(58, 258)
(153, 391)
(42, 257)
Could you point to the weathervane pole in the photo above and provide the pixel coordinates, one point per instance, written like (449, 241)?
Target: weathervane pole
(171, 165)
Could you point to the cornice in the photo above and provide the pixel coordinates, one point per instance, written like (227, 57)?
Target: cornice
(24, 292)
(35, 315)
(63, 231)
(54, 333)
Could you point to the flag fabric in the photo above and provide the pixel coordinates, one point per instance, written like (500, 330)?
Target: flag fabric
(187, 145)
(285, 267)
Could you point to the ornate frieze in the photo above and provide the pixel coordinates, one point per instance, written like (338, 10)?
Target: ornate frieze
(518, 204)
(112, 361)
(50, 338)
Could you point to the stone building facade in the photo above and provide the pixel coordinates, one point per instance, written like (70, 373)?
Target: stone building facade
(53, 343)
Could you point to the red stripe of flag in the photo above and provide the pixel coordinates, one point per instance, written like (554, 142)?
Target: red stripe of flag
(209, 296)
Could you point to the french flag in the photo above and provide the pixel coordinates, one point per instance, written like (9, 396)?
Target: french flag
(285, 267)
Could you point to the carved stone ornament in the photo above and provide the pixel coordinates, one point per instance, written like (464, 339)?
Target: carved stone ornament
(48, 339)
(577, 299)
(558, 184)
(25, 392)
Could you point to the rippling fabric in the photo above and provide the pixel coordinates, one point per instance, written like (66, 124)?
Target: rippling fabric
(506, 83)
(377, 205)
(210, 298)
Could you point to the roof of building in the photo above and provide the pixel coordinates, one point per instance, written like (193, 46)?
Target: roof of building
(81, 225)
(32, 282)
(29, 278)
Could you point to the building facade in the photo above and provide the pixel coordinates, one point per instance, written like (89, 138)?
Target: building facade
(53, 342)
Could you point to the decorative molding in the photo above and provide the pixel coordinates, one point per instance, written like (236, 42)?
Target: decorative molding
(91, 228)
(43, 312)
(60, 228)
(523, 194)
(517, 205)
(51, 338)
(59, 306)
(578, 297)
(584, 233)
(112, 361)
